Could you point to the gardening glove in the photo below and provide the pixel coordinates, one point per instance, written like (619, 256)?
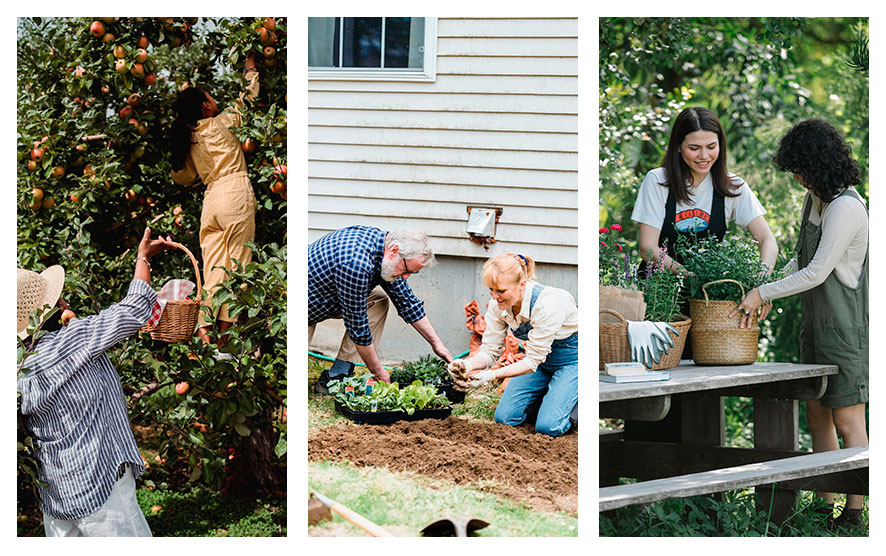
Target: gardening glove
(458, 369)
(482, 378)
(645, 342)
(662, 337)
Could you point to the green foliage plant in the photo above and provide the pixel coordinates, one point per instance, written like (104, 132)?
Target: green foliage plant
(428, 369)
(662, 291)
(708, 260)
(363, 393)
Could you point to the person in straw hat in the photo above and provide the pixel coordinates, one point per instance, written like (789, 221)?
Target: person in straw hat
(74, 405)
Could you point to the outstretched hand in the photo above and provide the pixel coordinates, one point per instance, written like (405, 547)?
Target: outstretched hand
(148, 247)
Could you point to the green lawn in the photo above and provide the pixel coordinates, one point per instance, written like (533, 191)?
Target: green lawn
(404, 502)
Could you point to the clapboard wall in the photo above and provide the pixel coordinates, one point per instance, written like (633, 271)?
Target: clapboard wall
(498, 127)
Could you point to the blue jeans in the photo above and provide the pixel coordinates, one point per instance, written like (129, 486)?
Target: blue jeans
(558, 376)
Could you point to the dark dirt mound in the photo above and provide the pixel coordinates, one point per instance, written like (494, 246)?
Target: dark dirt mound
(508, 461)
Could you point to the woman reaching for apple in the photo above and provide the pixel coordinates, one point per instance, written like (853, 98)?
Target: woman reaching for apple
(74, 406)
(545, 319)
(202, 146)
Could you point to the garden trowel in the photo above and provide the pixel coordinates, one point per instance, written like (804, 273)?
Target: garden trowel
(454, 527)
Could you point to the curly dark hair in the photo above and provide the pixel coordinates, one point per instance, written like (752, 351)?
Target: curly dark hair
(815, 150)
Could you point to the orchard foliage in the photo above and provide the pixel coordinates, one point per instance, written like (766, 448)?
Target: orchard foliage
(760, 76)
(94, 108)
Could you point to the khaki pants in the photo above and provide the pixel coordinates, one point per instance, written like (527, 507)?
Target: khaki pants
(377, 310)
(226, 224)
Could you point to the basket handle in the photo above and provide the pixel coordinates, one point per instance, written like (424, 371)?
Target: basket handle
(196, 270)
(718, 282)
(615, 314)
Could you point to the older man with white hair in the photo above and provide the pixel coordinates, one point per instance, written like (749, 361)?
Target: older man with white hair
(354, 274)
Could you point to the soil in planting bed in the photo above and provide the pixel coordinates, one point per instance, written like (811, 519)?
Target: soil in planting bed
(513, 462)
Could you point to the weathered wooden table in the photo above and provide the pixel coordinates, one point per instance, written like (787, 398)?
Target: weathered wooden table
(775, 389)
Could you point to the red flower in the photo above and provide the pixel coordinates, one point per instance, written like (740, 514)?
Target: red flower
(604, 230)
(616, 227)
(603, 244)
(618, 246)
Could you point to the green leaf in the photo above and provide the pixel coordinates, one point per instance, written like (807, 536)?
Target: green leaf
(242, 429)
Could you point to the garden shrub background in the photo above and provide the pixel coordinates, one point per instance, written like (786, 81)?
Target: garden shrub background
(228, 432)
(760, 76)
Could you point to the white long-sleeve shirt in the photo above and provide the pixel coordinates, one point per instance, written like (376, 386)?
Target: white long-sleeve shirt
(554, 317)
(841, 249)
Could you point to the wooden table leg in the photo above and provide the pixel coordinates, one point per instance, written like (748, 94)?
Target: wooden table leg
(703, 421)
(776, 426)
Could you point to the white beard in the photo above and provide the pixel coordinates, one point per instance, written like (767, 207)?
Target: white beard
(388, 270)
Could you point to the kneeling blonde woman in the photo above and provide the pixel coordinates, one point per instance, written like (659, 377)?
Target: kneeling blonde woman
(545, 320)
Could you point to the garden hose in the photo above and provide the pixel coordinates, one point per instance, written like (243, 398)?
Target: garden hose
(327, 358)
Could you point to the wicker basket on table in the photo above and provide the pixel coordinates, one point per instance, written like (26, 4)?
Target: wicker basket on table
(179, 318)
(615, 347)
(717, 339)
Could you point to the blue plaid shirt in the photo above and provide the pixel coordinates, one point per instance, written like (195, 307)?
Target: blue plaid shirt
(75, 408)
(343, 267)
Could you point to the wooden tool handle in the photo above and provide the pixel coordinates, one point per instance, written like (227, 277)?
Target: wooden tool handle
(352, 516)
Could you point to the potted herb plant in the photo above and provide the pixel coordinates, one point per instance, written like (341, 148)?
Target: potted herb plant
(663, 293)
(429, 370)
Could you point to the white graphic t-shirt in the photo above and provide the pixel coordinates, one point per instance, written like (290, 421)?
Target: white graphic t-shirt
(650, 206)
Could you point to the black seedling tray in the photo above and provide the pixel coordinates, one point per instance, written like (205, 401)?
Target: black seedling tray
(451, 393)
(388, 417)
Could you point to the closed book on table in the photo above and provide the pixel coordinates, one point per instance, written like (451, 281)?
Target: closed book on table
(649, 376)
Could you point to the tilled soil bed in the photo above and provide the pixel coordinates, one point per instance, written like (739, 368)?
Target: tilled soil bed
(513, 462)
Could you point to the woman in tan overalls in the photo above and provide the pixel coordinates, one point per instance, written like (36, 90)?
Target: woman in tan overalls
(202, 145)
(831, 274)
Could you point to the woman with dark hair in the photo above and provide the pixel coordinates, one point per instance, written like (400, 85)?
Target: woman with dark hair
(202, 146)
(694, 193)
(830, 272)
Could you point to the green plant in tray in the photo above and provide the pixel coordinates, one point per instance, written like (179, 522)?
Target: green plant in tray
(363, 393)
(428, 369)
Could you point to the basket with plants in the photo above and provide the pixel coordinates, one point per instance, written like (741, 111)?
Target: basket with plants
(658, 288)
(721, 273)
(366, 400)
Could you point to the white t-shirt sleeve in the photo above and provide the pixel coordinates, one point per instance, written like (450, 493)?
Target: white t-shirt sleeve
(650, 206)
(744, 208)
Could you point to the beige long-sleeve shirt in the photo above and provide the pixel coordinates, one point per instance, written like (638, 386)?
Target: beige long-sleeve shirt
(217, 152)
(841, 249)
(554, 317)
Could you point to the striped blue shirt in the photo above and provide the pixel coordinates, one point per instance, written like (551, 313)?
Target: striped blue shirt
(75, 408)
(343, 267)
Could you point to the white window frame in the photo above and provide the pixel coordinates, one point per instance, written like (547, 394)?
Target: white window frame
(427, 73)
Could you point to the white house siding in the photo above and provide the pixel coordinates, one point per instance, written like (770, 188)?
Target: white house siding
(497, 128)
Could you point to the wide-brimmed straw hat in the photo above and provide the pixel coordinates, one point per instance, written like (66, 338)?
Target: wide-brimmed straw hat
(35, 291)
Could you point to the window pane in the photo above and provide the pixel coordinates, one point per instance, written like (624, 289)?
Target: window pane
(362, 42)
(397, 42)
(323, 42)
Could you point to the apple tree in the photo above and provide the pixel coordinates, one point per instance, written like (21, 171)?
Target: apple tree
(94, 108)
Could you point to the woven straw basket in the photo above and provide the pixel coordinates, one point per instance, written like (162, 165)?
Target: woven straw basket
(717, 339)
(179, 318)
(615, 347)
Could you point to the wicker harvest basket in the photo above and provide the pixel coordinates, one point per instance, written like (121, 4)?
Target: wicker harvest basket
(179, 318)
(615, 347)
(717, 339)
(614, 344)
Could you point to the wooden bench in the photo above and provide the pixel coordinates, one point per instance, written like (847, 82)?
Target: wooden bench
(719, 480)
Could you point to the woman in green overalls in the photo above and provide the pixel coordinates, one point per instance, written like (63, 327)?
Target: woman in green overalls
(831, 274)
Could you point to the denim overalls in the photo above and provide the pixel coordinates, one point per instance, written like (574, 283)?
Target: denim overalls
(556, 379)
